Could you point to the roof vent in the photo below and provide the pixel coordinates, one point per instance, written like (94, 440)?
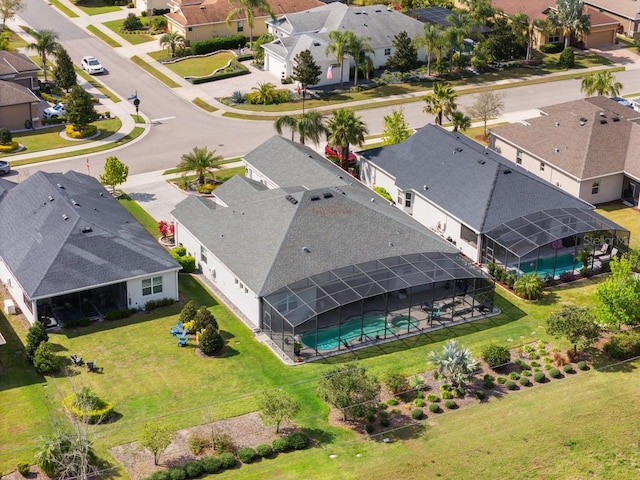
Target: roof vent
(306, 250)
(603, 121)
(378, 10)
(316, 44)
(327, 195)
(102, 194)
(506, 171)
(457, 150)
(75, 203)
(390, 244)
(59, 186)
(358, 13)
(557, 124)
(202, 7)
(314, 198)
(364, 13)
(425, 188)
(50, 198)
(616, 119)
(291, 199)
(339, 190)
(87, 229)
(65, 217)
(582, 123)
(582, 119)
(602, 114)
(482, 161)
(557, 150)
(373, 200)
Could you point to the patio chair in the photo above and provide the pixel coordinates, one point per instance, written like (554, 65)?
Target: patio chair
(76, 360)
(177, 329)
(182, 341)
(93, 367)
(602, 251)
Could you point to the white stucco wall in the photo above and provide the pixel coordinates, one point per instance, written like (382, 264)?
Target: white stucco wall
(15, 290)
(610, 189)
(253, 174)
(169, 289)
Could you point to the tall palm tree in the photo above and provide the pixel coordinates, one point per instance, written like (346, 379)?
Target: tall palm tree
(338, 46)
(600, 83)
(570, 18)
(345, 129)
(441, 101)
(458, 30)
(201, 161)
(309, 125)
(46, 44)
(523, 28)
(431, 41)
(358, 47)
(247, 10)
(460, 121)
(171, 41)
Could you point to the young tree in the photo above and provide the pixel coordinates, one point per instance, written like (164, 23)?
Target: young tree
(115, 173)
(277, 406)
(305, 71)
(405, 54)
(63, 71)
(35, 336)
(441, 102)
(570, 18)
(619, 296)
(132, 23)
(396, 128)
(46, 44)
(309, 125)
(338, 44)
(204, 319)
(210, 342)
(79, 109)
(188, 312)
(488, 104)
(45, 360)
(358, 48)
(454, 364)
(172, 41)
(349, 388)
(576, 324)
(246, 11)
(155, 437)
(8, 9)
(201, 161)
(600, 83)
(345, 129)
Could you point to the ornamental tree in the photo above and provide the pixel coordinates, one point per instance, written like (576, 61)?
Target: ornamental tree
(155, 437)
(619, 296)
(115, 173)
(349, 388)
(79, 109)
(277, 406)
(576, 324)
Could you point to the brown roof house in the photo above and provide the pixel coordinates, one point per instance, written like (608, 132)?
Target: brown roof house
(202, 19)
(18, 80)
(589, 148)
(627, 12)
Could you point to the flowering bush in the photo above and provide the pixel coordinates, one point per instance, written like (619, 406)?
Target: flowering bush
(166, 229)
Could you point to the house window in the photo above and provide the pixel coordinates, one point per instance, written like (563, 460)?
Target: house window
(203, 254)
(519, 157)
(554, 38)
(542, 166)
(404, 198)
(387, 52)
(240, 26)
(151, 285)
(595, 187)
(190, 29)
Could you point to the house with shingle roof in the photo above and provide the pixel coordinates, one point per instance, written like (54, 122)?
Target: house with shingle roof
(203, 19)
(72, 251)
(18, 81)
(491, 209)
(589, 148)
(627, 12)
(309, 30)
(301, 249)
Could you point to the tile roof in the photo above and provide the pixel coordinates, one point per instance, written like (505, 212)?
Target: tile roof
(581, 137)
(14, 94)
(537, 10)
(55, 245)
(472, 183)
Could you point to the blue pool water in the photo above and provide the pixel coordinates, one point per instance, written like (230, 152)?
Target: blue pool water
(563, 263)
(352, 330)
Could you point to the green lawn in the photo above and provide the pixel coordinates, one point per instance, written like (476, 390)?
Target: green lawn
(96, 7)
(102, 36)
(200, 67)
(64, 9)
(133, 38)
(139, 213)
(628, 217)
(204, 105)
(97, 85)
(16, 42)
(154, 72)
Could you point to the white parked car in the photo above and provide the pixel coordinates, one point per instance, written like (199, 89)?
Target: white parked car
(56, 111)
(91, 65)
(5, 167)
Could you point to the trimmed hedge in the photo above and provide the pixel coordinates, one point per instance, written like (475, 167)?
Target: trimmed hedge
(247, 454)
(510, 385)
(101, 411)
(210, 45)
(211, 464)
(227, 460)
(298, 441)
(187, 262)
(551, 47)
(525, 382)
(280, 445)
(554, 373)
(264, 450)
(417, 413)
(450, 404)
(220, 76)
(623, 346)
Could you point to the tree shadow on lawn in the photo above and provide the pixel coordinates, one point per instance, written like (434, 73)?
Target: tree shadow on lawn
(604, 363)
(320, 437)
(406, 432)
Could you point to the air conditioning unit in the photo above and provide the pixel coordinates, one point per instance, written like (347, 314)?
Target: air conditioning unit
(9, 307)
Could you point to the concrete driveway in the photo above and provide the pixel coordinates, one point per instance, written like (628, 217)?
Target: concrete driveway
(152, 191)
(621, 54)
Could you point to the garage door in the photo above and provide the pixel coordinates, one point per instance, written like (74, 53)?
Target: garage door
(599, 39)
(276, 66)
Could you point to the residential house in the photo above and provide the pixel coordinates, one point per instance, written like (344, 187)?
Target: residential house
(309, 30)
(20, 69)
(18, 106)
(319, 263)
(69, 250)
(627, 12)
(440, 16)
(203, 19)
(590, 148)
(489, 208)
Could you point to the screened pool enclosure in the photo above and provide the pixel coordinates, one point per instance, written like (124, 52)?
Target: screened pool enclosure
(359, 305)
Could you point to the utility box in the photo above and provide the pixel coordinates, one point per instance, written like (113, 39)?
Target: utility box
(9, 307)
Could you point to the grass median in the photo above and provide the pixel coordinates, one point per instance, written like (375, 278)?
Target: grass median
(102, 36)
(154, 72)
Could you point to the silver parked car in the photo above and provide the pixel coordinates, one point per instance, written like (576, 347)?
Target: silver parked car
(5, 167)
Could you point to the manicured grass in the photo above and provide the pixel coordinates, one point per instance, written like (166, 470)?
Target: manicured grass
(200, 67)
(102, 36)
(226, 161)
(204, 105)
(582, 60)
(221, 175)
(152, 71)
(132, 38)
(160, 55)
(16, 42)
(628, 217)
(64, 9)
(140, 214)
(97, 85)
(97, 7)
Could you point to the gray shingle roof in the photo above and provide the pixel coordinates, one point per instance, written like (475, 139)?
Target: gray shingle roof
(50, 255)
(261, 238)
(12, 63)
(14, 94)
(466, 179)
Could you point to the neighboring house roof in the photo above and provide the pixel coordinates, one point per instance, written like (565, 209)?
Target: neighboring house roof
(262, 236)
(438, 15)
(472, 183)
(216, 11)
(624, 8)
(289, 47)
(538, 10)
(14, 94)
(56, 246)
(582, 137)
(13, 63)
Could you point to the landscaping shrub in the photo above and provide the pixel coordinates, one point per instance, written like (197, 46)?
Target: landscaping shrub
(522, 364)
(417, 413)
(548, 366)
(566, 277)
(368, 428)
(211, 464)
(551, 47)
(526, 373)
(496, 355)
(77, 322)
(571, 354)
(86, 406)
(89, 131)
(432, 397)
(246, 454)
(280, 445)
(298, 441)
(231, 71)
(383, 414)
(160, 475)
(510, 385)
(434, 407)
(479, 394)
(450, 404)
(458, 392)
(264, 450)
(194, 469)
(514, 376)
(535, 363)
(44, 359)
(567, 58)
(392, 401)
(447, 395)
(623, 346)
(419, 402)
(539, 377)
(214, 44)
(227, 460)
(187, 262)
(384, 422)
(36, 335)
(222, 442)
(582, 365)
(177, 473)
(10, 147)
(198, 443)
(524, 381)
(559, 359)
(188, 312)
(383, 193)
(370, 417)
(5, 138)
(501, 380)
(567, 369)
(554, 373)
(23, 469)
(382, 406)
(113, 315)
(132, 23)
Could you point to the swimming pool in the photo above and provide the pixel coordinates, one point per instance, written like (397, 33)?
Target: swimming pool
(563, 263)
(403, 322)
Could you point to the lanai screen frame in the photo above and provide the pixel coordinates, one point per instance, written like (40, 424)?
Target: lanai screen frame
(307, 304)
(523, 235)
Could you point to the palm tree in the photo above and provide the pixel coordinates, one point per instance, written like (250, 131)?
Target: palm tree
(454, 364)
(570, 18)
(247, 10)
(358, 47)
(431, 40)
(338, 46)
(441, 101)
(46, 44)
(600, 83)
(201, 161)
(309, 125)
(345, 128)
(171, 41)
(265, 94)
(460, 121)
(457, 31)
(529, 286)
